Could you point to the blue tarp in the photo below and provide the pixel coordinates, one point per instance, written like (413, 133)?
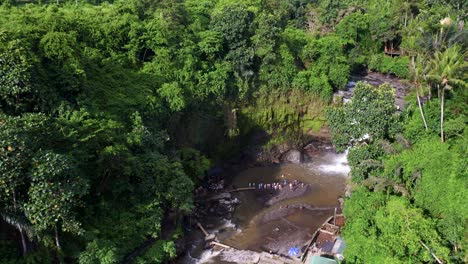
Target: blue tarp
(294, 251)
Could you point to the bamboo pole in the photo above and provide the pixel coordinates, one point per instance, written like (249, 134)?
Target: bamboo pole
(202, 229)
(435, 257)
(334, 217)
(219, 244)
(242, 189)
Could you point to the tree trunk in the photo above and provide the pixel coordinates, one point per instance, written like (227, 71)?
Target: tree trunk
(416, 85)
(420, 108)
(406, 17)
(442, 115)
(430, 92)
(24, 243)
(57, 240)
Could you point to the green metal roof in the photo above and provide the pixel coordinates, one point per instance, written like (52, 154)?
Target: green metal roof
(320, 260)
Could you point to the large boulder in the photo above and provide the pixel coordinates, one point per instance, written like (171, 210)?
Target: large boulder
(283, 148)
(293, 156)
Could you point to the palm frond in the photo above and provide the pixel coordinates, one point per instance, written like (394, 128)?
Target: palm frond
(18, 221)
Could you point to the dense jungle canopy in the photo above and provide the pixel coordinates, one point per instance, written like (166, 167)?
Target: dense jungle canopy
(111, 114)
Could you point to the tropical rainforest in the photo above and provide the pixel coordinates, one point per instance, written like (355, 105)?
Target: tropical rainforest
(112, 112)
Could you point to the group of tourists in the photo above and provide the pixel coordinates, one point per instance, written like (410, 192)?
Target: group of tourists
(277, 185)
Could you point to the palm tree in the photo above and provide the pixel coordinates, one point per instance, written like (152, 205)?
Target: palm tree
(418, 76)
(379, 184)
(447, 71)
(21, 223)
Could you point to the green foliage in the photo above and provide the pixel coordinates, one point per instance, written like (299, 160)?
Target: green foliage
(355, 28)
(8, 252)
(329, 10)
(388, 230)
(371, 115)
(172, 93)
(20, 138)
(327, 57)
(456, 127)
(211, 42)
(234, 23)
(278, 114)
(413, 128)
(55, 190)
(15, 74)
(58, 46)
(194, 163)
(364, 161)
(385, 64)
(158, 253)
(316, 85)
(99, 252)
(434, 162)
(111, 113)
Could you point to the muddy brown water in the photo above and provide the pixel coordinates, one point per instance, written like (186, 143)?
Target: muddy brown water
(291, 222)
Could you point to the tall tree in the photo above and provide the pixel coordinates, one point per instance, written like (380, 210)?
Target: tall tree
(15, 78)
(19, 139)
(55, 191)
(370, 116)
(418, 75)
(448, 71)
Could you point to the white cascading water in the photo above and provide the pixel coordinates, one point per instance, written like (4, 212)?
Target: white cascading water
(335, 163)
(208, 256)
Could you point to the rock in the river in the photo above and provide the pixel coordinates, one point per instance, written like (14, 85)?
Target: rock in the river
(210, 237)
(225, 202)
(221, 196)
(240, 256)
(283, 148)
(293, 156)
(348, 190)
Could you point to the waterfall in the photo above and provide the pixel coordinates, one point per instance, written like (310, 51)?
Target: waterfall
(335, 163)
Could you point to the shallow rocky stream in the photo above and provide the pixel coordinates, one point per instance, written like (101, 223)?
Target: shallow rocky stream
(273, 220)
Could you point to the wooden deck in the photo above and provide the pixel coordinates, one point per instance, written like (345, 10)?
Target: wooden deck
(324, 239)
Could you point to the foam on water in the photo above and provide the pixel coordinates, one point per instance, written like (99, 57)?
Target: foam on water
(335, 163)
(227, 223)
(208, 256)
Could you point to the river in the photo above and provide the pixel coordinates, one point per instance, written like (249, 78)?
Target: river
(267, 220)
